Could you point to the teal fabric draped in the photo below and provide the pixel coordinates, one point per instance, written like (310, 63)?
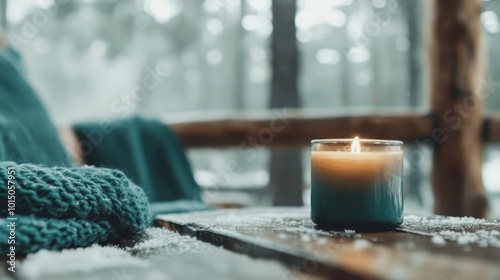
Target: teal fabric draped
(56, 206)
(146, 150)
(27, 134)
(150, 154)
(60, 206)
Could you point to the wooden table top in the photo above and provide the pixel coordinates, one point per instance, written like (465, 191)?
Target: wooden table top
(157, 254)
(279, 243)
(422, 248)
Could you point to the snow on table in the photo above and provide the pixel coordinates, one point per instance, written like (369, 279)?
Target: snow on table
(423, 248)
(463, 230)
(159, 254)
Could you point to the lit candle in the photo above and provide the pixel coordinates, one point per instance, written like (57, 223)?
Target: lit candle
(357, 184)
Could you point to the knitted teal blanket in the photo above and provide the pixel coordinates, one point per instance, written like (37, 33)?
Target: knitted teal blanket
(64, 207)
(55, 207)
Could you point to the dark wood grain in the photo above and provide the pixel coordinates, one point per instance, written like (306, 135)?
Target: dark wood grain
(288, 235)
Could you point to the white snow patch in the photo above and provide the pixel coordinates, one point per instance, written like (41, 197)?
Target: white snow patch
(463, 230)
(361, 244)
(161, 238)
(89, 259)
(438, 240)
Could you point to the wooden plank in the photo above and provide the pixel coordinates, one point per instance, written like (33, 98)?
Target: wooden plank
(457, 72)
(233, 125)
(289, 128)
(288, 235)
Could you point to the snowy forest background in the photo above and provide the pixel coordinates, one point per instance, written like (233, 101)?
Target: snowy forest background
(361, 56)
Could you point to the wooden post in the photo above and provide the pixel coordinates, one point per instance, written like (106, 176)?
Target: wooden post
(457, 95)
(240, 62)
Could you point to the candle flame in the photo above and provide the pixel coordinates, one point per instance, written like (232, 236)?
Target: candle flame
(355, 146)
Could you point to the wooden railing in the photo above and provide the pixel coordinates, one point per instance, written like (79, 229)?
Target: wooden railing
(297, 128)
(300, 127)
(455, 127)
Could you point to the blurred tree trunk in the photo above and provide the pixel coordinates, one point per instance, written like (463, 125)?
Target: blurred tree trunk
(239, 88)
(286, 181)
(378, 97)
(413, 9)
(413, 13)
(346, 81)
(345, 72)
(3, 16)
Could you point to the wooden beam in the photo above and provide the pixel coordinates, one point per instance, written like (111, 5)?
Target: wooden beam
(230, 124)
(456, 74)
(296, 129)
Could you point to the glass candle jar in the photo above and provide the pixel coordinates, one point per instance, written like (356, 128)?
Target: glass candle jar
(357, 184)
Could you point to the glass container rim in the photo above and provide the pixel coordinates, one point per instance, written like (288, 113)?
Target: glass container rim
(375, 142)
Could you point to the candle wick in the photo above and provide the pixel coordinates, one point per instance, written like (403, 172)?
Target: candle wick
(355, 146)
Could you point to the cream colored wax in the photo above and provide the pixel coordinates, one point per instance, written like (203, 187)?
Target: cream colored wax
(354, 168)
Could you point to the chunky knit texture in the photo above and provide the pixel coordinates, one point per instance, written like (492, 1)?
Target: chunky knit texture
(63, 207)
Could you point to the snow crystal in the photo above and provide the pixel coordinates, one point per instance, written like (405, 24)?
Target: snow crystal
(157, 238)
(361, 244)
(406, 245)
(322, 240)
(482, 238)
(446, 222)
(418, 258)
(282, 236)
(438, 240)
(463, 230)
(305, 238)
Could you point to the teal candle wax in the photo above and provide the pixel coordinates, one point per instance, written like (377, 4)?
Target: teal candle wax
(357, 184)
